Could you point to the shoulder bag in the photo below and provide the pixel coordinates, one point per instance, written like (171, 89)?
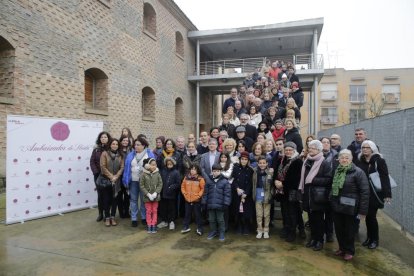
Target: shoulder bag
(375, 180)
(103, 182)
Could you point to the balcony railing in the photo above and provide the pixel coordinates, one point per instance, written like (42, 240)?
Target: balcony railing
(391, 98)
(249, 65)
(329, 120)
(357, 99)
(329, 95)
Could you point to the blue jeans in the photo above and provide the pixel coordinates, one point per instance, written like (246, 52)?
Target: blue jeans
(134, 193)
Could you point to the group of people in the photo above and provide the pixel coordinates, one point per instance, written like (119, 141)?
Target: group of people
(237, 172)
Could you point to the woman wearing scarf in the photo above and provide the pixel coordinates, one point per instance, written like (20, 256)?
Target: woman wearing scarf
(350, 197)
(133, 170)
(287, 178)
(191, 157)
(112, 167)
(315, 184)
(169, 151)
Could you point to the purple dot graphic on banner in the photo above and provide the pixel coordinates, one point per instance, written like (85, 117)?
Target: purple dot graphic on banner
(59, 194)
(27, 186)
(49, 208)
(69, 204)
(27, 212)
(87, 168)
(15, 200)
(79, 158)
(69, 170)
(38, 197)
(60, 158)
(60, 131)
(27, 172)
(78, 191)
(87, 179)
(49, 183)
(15, 160)
(86, 201)
(69, 181)
(49, 171)
(94, 189)
(39, 159)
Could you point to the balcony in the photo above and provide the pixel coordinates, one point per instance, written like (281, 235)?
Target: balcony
(329, 120)
(357, 99)
(329, 95)
(391, 98)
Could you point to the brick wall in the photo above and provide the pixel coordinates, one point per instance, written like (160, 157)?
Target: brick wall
(56, 41)
(394, 134)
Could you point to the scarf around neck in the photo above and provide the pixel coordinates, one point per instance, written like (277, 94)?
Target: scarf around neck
(339, 178)
(318, 159)
(168, 153)
(282, 170)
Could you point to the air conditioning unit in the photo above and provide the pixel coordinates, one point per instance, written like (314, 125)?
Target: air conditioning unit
(391, 98)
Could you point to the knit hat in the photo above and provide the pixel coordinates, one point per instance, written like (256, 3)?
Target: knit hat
(290, 145)
(244, 154)
(241, 129)
(279, 121)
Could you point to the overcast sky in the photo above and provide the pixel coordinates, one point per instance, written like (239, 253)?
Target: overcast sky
(357, 34)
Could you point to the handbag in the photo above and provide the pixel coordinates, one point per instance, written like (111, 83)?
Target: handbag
(376, 181)
(295, 196)
(320, 194)
(347, 205)
(103, 182)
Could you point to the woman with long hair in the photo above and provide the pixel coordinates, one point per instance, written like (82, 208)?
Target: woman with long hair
(101, 145)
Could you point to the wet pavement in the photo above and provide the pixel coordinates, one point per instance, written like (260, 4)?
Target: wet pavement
(75, 244)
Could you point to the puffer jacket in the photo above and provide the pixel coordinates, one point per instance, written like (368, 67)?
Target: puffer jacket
(322, 179)
(127, 177)
(150, 182)
(267, 185)
(356, 186)
(217, 193)
(170, 182)
(292, 135)
(193, 190)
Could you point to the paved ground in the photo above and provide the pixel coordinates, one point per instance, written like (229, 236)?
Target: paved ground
(74, 244)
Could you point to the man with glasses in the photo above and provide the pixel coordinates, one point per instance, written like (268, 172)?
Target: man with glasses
(336, 142)
(251, 131)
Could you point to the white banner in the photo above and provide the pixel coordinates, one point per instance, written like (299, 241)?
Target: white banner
(47, 167)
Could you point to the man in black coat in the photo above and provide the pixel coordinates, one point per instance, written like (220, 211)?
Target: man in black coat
(251, 131)
(230, 101)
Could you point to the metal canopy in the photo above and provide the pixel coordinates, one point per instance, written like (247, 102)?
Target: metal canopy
(267, 40)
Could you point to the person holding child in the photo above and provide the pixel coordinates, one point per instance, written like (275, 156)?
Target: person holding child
(262, 181)
(151, 185)
(217, 198)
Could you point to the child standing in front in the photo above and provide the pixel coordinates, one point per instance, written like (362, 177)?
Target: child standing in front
(262, 181)
(192, 189)
(151, 185)
(217, 197)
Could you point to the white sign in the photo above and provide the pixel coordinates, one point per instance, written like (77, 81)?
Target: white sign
(48, 166)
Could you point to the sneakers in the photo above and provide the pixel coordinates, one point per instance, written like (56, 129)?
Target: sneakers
(153, 229)
(113, 222)
(318, 246)
(199, 232)
(149, 229)
(134, 223)
(172, 225)
(348, 257)
(266, 235)
(107, 222)
(185, 230)
(162, 224)
(211, 235)
(221, 237)
(259, 235)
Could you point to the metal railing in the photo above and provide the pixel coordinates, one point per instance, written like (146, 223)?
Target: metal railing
(329, 95)
(333, 119)
(250, 65)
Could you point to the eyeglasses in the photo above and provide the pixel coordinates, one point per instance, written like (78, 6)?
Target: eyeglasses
(366, 147)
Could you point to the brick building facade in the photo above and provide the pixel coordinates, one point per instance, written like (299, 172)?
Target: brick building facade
(121, 62)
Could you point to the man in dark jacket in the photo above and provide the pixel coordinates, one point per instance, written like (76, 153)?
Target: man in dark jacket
(336, 142)
(250, 130)
(217, 196)
(230, 101)
(297, 94)
(241, 136)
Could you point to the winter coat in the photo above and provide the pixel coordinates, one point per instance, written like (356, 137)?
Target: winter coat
(331, 157)
(355, 186)
(248, 142)
(322, 179)
(251, 132)
(95, 160)
(266, 186)
(127, 176)
(110, 172)
(368, 168)
(278, 133)
(298, 97)
(177, 156)
(188, 161)
(193, 190)
(217, 194)
(242, 179)
(292, 177)
(150, 182)
(229, 128)
(292, 135)
(171, 181)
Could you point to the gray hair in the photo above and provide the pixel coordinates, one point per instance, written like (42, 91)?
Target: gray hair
(213, 140)
(317, 144)
(345, 152)
(373, 147)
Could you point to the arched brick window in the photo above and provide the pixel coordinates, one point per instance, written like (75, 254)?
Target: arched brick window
(179, 44)
(148, 104)
(7, 59)
(96, 89)
(150, 19)
(179, 111)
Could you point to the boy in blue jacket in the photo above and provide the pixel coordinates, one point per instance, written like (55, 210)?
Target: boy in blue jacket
(217, 196)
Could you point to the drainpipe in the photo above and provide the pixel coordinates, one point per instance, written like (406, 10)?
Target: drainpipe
(198, 93)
